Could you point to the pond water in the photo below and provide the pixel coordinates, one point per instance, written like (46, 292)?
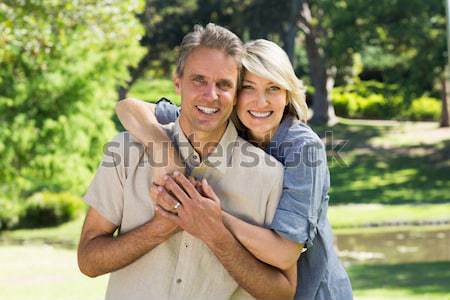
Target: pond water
(395, 247)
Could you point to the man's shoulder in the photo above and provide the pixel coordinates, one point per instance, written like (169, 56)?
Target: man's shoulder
(125, 149)
(123, 140)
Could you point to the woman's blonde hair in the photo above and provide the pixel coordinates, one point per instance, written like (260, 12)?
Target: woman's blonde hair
(266, 59)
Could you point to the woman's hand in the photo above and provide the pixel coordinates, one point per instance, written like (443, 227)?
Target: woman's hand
(180, 201)
(161, 197)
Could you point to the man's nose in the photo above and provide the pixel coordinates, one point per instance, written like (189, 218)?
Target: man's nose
(211, 91)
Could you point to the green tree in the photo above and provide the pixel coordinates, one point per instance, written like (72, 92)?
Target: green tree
(167, 21)
(401, 40)
(60, 63)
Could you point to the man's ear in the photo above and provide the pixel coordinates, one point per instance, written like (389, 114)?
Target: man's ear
(176, 82)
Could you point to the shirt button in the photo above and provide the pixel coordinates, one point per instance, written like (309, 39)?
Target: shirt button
(179, 280)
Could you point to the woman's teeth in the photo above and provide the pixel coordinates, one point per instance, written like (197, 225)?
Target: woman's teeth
(207, 110)
(257, 114)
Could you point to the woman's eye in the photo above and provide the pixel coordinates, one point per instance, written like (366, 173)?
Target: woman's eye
(247, 87)
(274, 88)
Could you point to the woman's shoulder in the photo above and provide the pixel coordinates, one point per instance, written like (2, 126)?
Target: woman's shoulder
(299, 134)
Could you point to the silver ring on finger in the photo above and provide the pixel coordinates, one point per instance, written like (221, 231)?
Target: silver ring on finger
(176, 206)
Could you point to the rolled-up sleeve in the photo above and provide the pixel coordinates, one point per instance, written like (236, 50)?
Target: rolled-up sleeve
(305, 175)
(105, 193)
(166, 112)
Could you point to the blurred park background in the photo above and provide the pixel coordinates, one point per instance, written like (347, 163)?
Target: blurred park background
(376, 77)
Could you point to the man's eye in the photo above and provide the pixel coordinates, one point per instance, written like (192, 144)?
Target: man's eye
(247, 87)
(199, 80)
(223, 86)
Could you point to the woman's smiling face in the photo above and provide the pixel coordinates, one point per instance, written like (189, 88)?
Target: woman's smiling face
(260, 106)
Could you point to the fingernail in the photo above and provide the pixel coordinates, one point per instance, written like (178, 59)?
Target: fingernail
(176, 173)
(166, 177)
(160, 189)
(206, 181)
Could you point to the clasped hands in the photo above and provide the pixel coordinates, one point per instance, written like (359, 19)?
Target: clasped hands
(190, 204)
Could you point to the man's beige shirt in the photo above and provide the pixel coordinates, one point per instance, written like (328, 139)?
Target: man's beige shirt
(246, 179)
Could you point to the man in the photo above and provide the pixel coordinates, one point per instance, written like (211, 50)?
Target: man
(151, 257)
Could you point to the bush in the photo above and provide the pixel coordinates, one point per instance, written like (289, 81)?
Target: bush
(424, 109)
(345, 104)
(374, 106)
(50, 209)
(372, 100)
(10, 213)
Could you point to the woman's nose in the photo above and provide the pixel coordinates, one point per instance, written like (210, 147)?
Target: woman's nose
(261, 99)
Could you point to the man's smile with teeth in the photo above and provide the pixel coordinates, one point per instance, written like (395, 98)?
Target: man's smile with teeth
(207, 110)
(258, 114)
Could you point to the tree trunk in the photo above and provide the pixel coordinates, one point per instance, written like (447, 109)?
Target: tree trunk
(290, 31)
(445, 102)
(322, 81)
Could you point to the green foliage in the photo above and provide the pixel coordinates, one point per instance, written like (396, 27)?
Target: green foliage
(372, 100)
(424, 109)
(153, 89)
(404, 41)
(50, 209)
(375, 100)
(10, 213)
(60, 63)
(397, 41)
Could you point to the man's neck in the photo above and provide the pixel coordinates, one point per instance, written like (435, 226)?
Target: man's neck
(204, 142)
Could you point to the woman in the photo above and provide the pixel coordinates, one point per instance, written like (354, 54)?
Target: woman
(271, 113)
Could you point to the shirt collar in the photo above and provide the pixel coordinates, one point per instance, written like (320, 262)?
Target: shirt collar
(219, 159)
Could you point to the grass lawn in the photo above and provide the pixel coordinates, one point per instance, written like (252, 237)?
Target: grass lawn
(389, 162)
(424, 281)
(65, 235)
(369, 215)
(344, 219)
(43, 272)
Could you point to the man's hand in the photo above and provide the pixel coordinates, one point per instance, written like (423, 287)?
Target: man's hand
(199, 215)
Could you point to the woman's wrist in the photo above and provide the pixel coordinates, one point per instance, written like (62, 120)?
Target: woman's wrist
(228, 219)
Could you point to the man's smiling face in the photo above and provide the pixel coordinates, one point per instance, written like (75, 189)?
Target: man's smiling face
(208, 91)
